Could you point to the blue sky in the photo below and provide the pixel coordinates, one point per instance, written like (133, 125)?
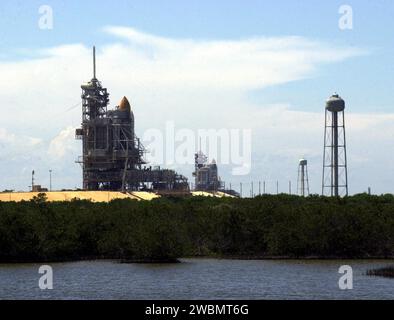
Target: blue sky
(364, 80)
(79, 22)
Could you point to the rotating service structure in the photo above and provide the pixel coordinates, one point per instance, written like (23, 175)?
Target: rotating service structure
(112, 155)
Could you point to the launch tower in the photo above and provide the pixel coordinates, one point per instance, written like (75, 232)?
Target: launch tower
(112, 156)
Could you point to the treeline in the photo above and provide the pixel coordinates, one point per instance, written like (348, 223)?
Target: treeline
(165, 229)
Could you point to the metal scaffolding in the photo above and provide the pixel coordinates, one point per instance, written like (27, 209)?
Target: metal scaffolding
(112, 156)
(303, 180)
(334, 181)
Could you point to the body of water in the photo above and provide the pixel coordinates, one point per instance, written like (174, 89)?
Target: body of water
(197, 279)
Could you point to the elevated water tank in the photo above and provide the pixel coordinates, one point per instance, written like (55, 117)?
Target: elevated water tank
(303, 162)
(335, 103)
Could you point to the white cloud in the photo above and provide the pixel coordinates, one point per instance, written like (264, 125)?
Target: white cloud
(13, 143)
(215, 65)
(200, 84)
(5, 136)
(62, 144)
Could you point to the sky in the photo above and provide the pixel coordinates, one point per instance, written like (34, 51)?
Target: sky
(267, 66)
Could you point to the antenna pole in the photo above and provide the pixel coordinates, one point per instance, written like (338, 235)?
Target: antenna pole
(32, 181)
(94, 62)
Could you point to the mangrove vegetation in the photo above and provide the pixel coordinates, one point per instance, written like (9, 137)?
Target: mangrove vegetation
(165, 229)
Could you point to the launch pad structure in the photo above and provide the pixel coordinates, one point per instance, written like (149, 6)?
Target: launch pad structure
(206, 174)
(112, 155)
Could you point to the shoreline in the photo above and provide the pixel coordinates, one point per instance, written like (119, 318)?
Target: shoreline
(179, 260)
